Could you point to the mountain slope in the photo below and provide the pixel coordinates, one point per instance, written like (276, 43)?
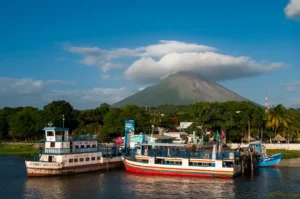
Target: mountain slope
(181, 89)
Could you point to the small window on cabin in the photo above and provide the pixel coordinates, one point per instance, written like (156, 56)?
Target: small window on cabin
(87, 146)
(76, 146)
(98, 158)
(76, 160)
(94, 145)
(70, 160)
(50, 133)
(93, 158)
(81, 159)
(82, 146)
(87, 159)
(52, 144)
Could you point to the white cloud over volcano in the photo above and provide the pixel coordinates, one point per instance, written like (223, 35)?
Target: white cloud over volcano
(157, 61)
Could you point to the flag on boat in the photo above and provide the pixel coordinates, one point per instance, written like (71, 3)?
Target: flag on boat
(218, 135)
(223, 134)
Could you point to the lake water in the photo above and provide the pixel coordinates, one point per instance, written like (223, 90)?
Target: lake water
(266, 183)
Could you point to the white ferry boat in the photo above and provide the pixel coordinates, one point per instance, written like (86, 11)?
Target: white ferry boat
(177, 160)
(63, 155)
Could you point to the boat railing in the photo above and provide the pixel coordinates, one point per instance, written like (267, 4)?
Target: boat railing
(188, 154)
(106, 151)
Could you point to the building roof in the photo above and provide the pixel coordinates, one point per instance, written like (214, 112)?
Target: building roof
(279, 138)
(185, 125)
(246, 138)
(180, 133)
(55, 129)
(161, 137)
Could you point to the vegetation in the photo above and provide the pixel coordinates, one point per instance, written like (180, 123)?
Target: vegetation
(26, 123)
(18, 149)
(286, 153)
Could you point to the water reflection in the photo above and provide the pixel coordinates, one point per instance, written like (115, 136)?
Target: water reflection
(120, 184)
(179, 187)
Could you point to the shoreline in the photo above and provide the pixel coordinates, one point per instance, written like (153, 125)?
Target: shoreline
(19, 149)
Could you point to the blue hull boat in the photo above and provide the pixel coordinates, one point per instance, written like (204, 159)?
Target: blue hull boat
(264, 159)
(270, 161)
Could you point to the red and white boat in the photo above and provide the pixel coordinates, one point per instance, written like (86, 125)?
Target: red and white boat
(176, 160)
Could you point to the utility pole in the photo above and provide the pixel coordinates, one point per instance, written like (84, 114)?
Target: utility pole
(63, 118)
(248, 129)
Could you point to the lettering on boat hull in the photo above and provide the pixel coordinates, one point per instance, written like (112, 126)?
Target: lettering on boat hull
(48, 171)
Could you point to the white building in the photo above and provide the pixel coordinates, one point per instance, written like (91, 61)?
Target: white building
(185, 125)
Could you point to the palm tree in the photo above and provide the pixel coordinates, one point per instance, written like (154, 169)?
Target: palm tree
(277, 117)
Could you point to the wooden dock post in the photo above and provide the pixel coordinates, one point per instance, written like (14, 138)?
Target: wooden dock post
(242, 166)
(251, 156)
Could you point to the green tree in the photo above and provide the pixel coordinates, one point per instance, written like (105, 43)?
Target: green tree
(54, 112)
(26, 124)
(113, 124)
(276, 117)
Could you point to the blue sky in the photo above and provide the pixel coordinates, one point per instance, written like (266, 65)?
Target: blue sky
(102, 51)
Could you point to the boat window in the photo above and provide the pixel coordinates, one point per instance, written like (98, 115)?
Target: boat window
(70, 160)
(76, 146)
(50, 133)
(81, 159)
(87, 159)
(76, 160)
(82, 146)
(93, 158)
(87, 146)
(59, 133)
(52, 144)
(94, 145)
(98, 158)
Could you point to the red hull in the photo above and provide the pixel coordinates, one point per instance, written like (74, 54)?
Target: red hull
(154, 172)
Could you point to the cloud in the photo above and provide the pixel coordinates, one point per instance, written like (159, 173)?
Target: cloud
(290, 102)
(209, 64)
(292, 10)
(105, 76)
(164, 47)
(101, 57)
(292, 86)
(109, 66)
(28, 92)
(60, 82)
(21, 86)
(157, 61)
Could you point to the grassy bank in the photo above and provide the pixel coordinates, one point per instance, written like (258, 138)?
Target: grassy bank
(20, 149)
(286, 153)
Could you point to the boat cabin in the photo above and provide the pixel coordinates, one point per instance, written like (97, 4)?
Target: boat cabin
(56, 134)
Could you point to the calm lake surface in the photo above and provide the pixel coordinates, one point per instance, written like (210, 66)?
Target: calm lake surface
(266, 183)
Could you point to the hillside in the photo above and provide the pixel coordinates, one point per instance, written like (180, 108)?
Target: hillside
(181, 89)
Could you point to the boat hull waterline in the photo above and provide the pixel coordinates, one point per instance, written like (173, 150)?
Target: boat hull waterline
(270, 161)
(34, 171)
(135, 167)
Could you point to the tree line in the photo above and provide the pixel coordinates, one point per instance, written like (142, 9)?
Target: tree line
(26, 123)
